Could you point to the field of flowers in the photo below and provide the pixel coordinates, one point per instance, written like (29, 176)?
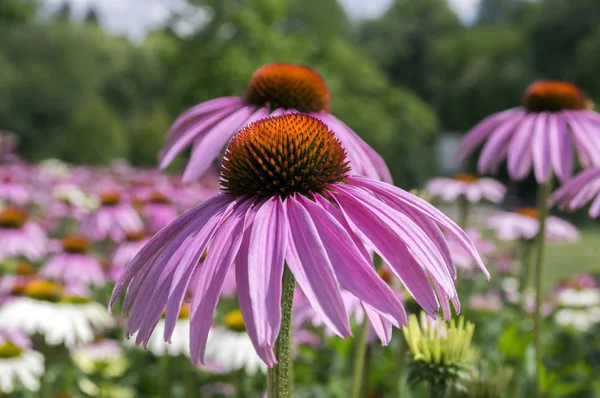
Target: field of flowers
(299, 270)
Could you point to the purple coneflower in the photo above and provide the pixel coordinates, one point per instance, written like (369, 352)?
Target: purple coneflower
(20, 237)
(578, 191)
(112, 220)
(467, 186)
(74, 265)
(273, 90)
(288, 198)
(524, 225)
(125, 252)
(13, 191)
(159, 211)
(543, 133)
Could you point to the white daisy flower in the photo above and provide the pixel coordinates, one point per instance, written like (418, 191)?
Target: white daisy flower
(230, 348)
(180, 340)
(43, 308)
(578, 297)
(19, 365)
(578, 319)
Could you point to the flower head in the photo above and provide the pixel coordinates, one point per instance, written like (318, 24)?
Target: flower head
(300, 208)
(468, 186)
(523, 224)
(542, 134)
(273, 90)
(440, 352)
(19, 364)
(19, 236)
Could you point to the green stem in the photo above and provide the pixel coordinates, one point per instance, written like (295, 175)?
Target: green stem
(280, 377)
(463, 212)
(526, 268)
(240, 383)
(398, 376)
(358, 373)
(543, 193)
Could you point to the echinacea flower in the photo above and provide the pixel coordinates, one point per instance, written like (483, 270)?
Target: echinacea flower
(159, 211)
(578, 191)
(19, 364)
(524, 224)
(230, 348)
(45, 307)
(125, 252)
(74, 265)
(544, 133)
(12, 191)
(287, 198)
(102, 356)
(112, 220)
(273, 90)
(467, 186)
(440, 353)
(19, 236)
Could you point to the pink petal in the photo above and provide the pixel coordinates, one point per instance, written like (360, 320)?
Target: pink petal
(308, 262)
(219, 257)
(561, 148)
(520, 156)
(542, 166)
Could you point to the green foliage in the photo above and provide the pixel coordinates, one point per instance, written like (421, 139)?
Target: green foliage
(479, 72)
(17, 11)
(94, 134)
(147, 136)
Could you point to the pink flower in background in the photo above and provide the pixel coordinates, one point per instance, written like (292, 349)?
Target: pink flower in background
(12, 190)
(273, 90)
(288, 199)
(580, 190)
(112, 220)
(159, 211)
(524, 224)
(461, 258)
(20, 237)
(125, 252)
(489, 301)
(74, 265)
(468, 186)
(543, 134)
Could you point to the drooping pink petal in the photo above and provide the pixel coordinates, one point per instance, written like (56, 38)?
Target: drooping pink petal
(482, 131)
(354, 273)
(268, 244)
(166, 241)
(496, 148)
(221, 252)
(205, 151)
(355, 201)
(520, 156)
(540, 147)
(381, 326)
(308, 262)
(561, 148)
(402, 199)
(191, 133)
(382, 238)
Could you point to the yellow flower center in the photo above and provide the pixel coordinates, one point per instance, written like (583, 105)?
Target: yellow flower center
(12, 218)
(24, 268)
(42, 290)
(282, 155)
(159, 198)
(135, 236)
(465, 177)
(110, 198)
(553, 96)
(529, 212)
(9, 350)
(75, 244)
(235, 321)
(288, 86)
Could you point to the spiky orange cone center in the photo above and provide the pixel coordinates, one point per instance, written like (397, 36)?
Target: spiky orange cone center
(288, 86)
(283, 155)
(553, 96)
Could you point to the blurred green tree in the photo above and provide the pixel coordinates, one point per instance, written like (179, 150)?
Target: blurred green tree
(478, 72)
(17, 11)
(402, 41)
(148, 132)
(94, 134)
